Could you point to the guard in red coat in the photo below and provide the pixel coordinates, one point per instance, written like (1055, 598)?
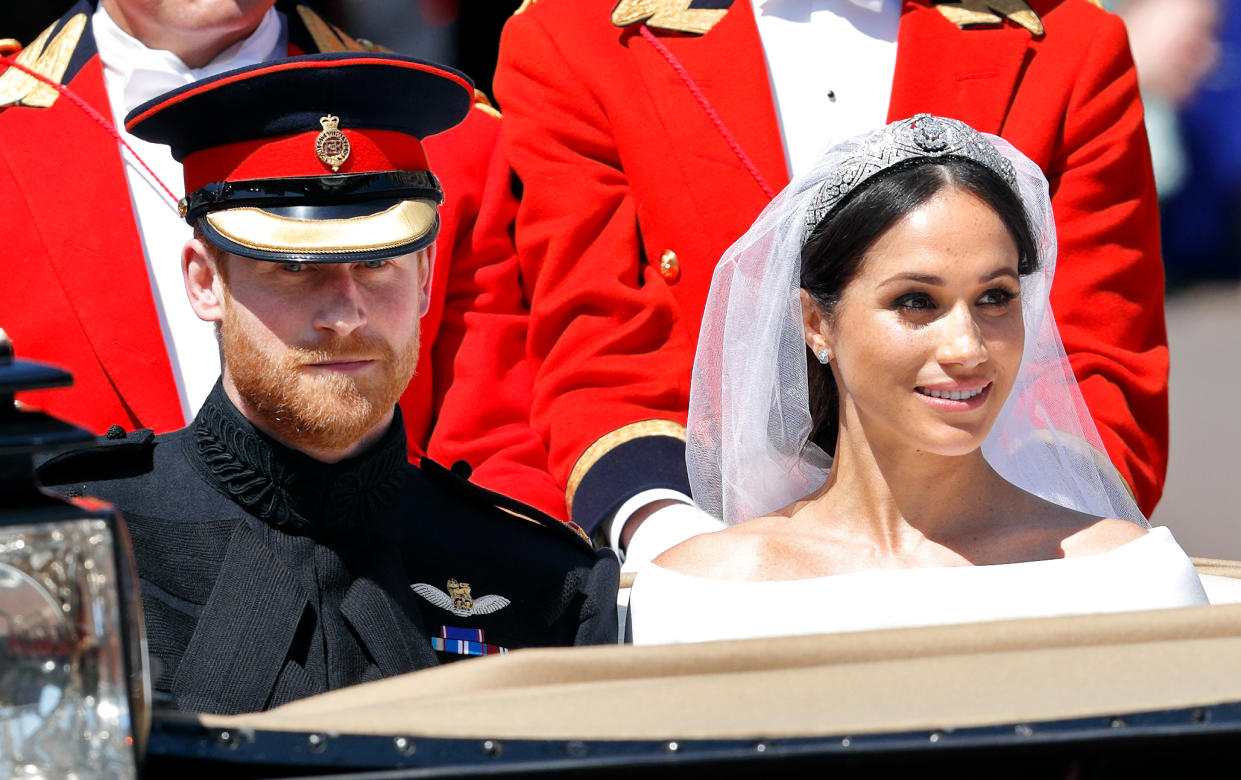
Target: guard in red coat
(646, 138)
(82, 277)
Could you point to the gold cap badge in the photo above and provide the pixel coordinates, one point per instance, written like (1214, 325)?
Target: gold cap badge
(331, 145)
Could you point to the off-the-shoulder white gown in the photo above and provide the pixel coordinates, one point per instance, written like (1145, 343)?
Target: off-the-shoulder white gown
(1150, 572)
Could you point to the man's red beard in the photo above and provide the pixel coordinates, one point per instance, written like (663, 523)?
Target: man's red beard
(309, 408)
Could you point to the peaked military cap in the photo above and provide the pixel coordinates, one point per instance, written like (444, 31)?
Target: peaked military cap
(311, 159)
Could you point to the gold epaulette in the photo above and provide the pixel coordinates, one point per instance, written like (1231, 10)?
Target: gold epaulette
(49, 57)
(483, 104)
(329, 38)
(964, 13)
(674, 15)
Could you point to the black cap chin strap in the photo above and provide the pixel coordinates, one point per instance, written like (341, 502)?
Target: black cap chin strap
(336, 189)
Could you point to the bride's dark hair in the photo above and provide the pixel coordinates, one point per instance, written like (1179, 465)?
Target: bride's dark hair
(833, 252)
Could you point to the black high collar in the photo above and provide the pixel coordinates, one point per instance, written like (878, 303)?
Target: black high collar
(290, 490)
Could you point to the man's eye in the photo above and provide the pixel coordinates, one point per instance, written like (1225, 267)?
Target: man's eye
(293, 267)
(374, 263)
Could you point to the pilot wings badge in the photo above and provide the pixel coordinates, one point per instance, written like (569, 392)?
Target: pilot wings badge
(458, 599)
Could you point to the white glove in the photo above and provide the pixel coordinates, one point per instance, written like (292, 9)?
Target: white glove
(666, 527)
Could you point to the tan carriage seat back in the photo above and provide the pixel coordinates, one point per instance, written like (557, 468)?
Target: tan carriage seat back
(1002, 672)
(1220, 578)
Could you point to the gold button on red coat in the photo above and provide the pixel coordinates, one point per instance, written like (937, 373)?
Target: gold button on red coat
(669, 265)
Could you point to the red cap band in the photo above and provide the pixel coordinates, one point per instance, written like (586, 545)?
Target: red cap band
(295, 155)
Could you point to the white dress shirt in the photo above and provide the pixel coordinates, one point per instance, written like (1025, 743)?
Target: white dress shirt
(132, 75)
(831, 64)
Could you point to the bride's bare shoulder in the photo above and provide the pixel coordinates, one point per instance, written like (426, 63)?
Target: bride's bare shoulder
(1102, 535)
(1043, 530)
(731, 554)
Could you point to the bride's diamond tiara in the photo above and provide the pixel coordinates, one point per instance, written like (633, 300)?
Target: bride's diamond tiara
(920, 136)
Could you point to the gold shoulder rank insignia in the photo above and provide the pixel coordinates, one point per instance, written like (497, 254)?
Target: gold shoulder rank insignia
(46, 55)
(329, 38)
(963, 13)
(458, 599)
(675, 15)
(483, 104)
(524, 5)
(577, 529)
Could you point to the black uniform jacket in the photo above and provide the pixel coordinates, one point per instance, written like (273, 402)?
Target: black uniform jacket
(268, 576)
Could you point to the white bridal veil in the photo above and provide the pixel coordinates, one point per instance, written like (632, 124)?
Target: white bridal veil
(749, 423)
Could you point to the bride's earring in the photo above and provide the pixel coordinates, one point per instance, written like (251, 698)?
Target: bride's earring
(824, 355)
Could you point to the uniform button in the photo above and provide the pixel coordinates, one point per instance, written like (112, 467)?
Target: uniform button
(669, 265)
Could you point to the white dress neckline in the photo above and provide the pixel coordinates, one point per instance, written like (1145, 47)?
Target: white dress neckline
(1155, 536)
(1150, 572)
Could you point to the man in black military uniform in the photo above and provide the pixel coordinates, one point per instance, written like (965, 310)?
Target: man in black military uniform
(285, 546)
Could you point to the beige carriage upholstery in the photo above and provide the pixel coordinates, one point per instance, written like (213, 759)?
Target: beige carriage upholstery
(1020, 671)
(1221, 579)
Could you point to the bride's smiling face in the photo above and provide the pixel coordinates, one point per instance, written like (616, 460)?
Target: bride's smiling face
(927, 337)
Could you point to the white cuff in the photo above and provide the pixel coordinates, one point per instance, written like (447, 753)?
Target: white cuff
(613, 525)
(666, 528)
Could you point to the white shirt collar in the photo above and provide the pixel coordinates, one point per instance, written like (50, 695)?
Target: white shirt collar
(869, 5)
(147, 73)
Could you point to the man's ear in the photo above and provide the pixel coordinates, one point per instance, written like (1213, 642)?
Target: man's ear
(203, 283)
(814, 323)
(426, 269)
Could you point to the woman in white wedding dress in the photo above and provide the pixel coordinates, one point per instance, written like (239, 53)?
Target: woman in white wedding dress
(928, 459)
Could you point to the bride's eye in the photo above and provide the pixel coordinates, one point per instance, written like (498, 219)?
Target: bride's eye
(915, 302)
(997, 297)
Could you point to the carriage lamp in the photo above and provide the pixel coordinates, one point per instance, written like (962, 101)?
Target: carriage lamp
(73, 688)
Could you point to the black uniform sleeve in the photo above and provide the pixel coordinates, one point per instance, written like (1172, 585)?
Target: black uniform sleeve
(598, 618)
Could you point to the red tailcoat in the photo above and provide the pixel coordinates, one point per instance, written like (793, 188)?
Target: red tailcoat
(74, 289)
(622, 167)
